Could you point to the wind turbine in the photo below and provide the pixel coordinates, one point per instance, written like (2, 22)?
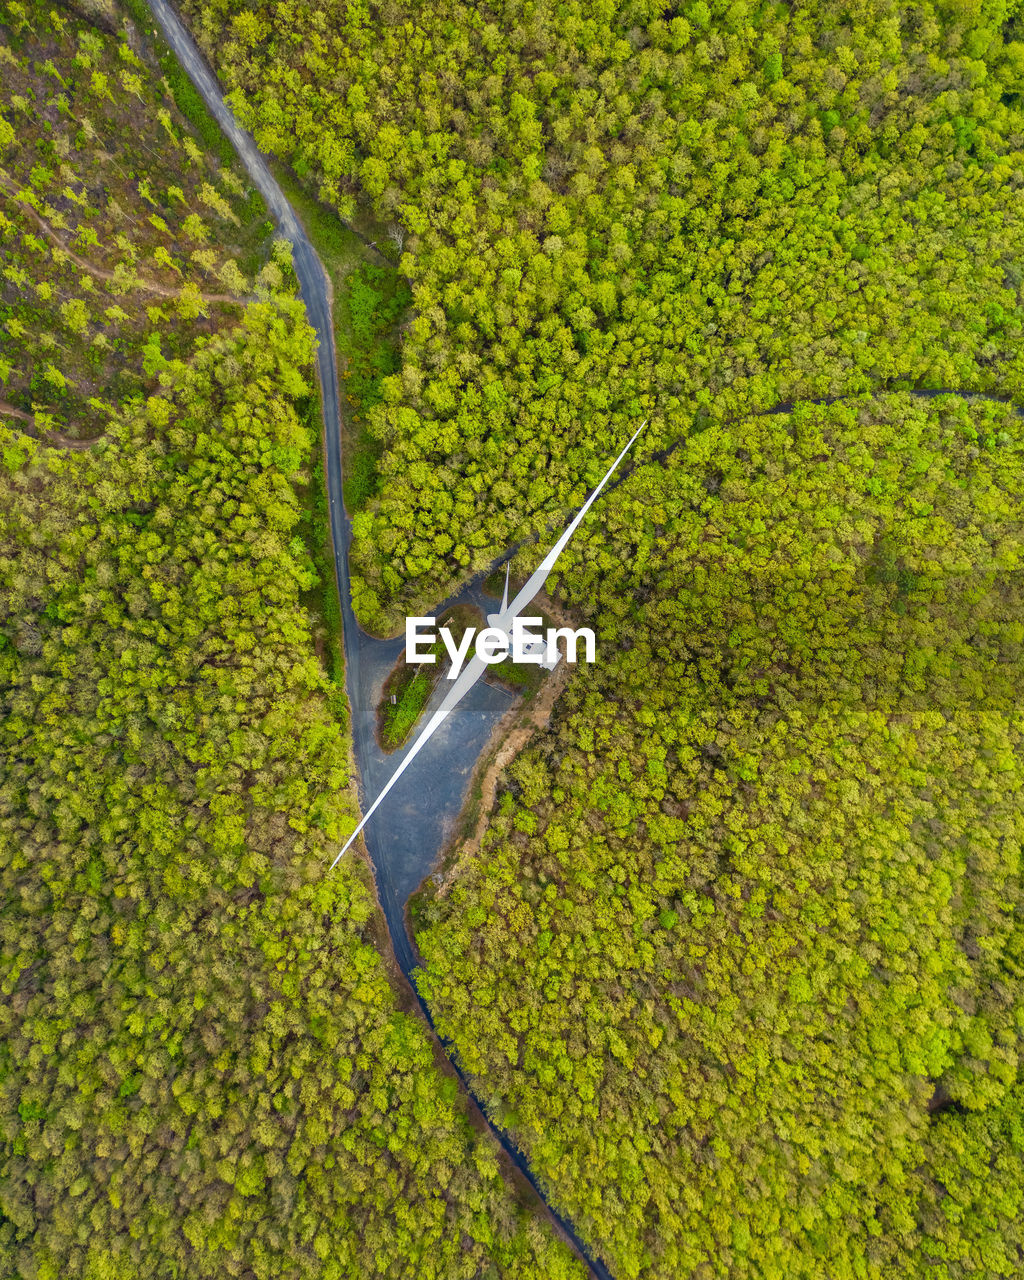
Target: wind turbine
(535, 648)
(476, 667)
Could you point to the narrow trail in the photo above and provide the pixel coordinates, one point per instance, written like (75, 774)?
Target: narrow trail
(13, 191)
(360, 650)
(55, 439)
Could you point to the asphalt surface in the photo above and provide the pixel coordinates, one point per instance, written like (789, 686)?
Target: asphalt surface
(405, 837)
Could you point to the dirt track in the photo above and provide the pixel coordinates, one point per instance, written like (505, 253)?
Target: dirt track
(147, 286)
(56, 439)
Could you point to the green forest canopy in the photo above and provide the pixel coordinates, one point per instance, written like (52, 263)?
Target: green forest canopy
(739, 962)
(204, 1070)
(611, 211)
(747, 922)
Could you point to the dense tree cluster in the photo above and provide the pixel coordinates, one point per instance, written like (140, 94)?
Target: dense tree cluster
(204, 1069)
(971, 1214)
(740, 959)
(372, 299)
(614, 209)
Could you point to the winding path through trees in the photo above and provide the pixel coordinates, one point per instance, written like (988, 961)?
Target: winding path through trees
(406, 845)
(56, 439)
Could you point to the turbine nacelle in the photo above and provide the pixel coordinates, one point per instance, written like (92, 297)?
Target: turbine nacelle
(534, 650)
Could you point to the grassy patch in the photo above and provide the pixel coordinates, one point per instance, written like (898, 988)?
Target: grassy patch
(372, 305)
(516, 676)
(315, 531)
(412, 692)
(370, 299)
(338, 246)
(519, 677)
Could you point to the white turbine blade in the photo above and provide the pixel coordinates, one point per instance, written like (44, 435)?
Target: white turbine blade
(504, 596)
(537, 579)
(476, 667)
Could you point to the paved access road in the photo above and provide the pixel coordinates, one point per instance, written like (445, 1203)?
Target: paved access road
(405, 837)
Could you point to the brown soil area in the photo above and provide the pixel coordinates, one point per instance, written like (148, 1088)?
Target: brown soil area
(511, 734)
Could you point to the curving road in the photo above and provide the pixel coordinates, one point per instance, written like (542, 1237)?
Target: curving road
(406, 836)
